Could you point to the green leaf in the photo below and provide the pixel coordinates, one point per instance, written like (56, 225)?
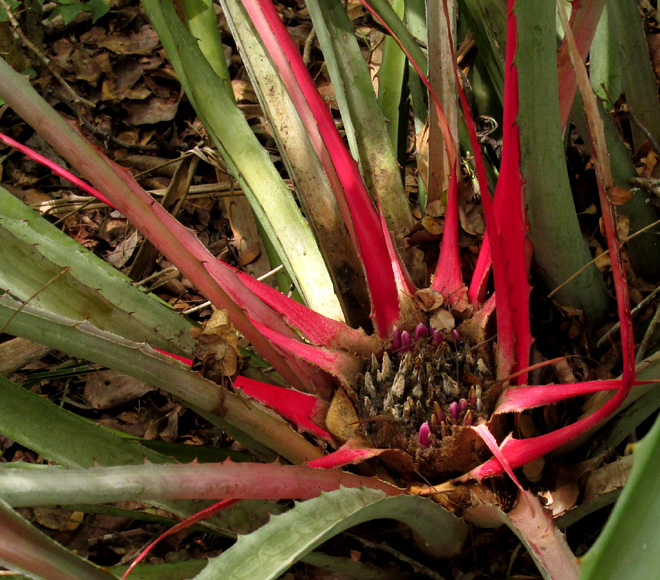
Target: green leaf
(389, 16)
(629, 544)
(604, 67)
(13, 4)
(90, 289)
(487, 23)
(61, 436)
(273, 548)
(312, 186)
(223, 408)
(26, 549)
(269, 197)
(559, 248)
(154, 482)
(98, 8)
(69, 9)
(365, 124)
(639, 81)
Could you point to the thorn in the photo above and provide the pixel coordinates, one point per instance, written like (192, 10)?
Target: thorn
(438, 412)
(433, 424)
(387, 366)
(368, 407)
(445, 431)
(417, 391)
(406, 410)
(472, 397)
(399, 387)
(369, 385)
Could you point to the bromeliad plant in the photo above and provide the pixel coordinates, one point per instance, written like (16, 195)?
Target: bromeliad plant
(426, 391)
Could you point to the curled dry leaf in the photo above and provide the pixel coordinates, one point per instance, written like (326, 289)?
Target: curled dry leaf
(472, 219)
(217, 346)
(110, 389)
(56, 519)
(562, 499)
(124, 250)
(442, 320)
(342, 420)
(90, 68)
(113, 230)
(608, 478)
(243, 91)
(603, 262)
(428, 299)
(436, 208)
(155, 110)
(432, 225)
(618, 195)
(622, 227)
(143, 41)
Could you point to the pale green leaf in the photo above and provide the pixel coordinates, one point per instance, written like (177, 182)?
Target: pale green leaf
(269, 551)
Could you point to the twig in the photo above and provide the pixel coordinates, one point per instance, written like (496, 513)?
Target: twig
(20, 35)
(638, 124)
(164, 164)
(309, 44)
(650, 184)
(260, 278)
(635, 310)
(60, 206)
(155, 275)
(109, 138)
(74, 211)
(605, 253)
(26, 302)
(417, 566)
(648, 335)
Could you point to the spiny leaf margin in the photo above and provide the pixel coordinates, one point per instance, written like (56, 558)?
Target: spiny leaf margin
(269, 551)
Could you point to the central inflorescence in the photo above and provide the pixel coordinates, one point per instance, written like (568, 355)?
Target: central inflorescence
(424, 391)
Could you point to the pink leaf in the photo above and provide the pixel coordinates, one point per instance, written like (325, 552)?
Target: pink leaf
(215, 280)
(346, 455)
(342, 170)
(505, 223)
(447, 278)
(521, 398)
(315, 327)
(55, 168)
(490, 441)
(305, 411)
(585, 17)
(521, 451)
(339, 364)
(183, 525)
